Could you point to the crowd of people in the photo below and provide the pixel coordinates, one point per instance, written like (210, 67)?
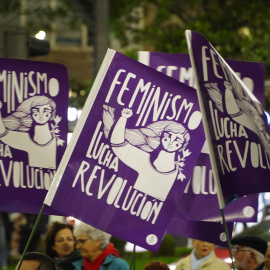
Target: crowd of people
(83, 247)
(249, 253)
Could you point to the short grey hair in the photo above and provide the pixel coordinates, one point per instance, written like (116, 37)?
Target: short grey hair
(94, 233)
(258, 255)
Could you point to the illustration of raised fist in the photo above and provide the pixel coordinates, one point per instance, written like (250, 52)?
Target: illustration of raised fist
(127, 113)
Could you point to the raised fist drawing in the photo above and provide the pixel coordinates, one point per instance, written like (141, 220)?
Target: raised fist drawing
(127, 113)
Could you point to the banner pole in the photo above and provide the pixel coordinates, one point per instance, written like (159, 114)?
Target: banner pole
(209, 141)
(133, 259)
(227, 236)
(31, 236)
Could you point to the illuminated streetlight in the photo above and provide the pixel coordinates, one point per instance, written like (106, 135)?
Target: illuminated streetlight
(41, 35)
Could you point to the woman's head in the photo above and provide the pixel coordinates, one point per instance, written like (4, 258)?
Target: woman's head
(59, 240)
(156, 266)
(174, 137)
(202, 248)
(39, 109)
(90, 241)
(150, 138)
(41, 114)
(172, 142)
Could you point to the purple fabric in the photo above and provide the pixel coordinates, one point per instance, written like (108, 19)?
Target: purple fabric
(199, 201)
(178, 66)
(31, 147)
(237, 123)
(113, 176)
(200, 230)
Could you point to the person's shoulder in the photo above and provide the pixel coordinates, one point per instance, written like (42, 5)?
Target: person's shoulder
(260, 267)
(118, 263)
(221, 264)
(183, 262)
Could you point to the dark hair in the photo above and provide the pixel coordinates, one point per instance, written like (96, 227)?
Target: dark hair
(156, 266)
(49, 239)
(46, 263)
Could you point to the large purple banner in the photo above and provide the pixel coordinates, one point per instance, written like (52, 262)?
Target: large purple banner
(235, 124)
(131, 154)
(33, 131)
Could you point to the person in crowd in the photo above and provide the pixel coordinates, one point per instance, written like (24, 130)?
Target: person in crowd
(26, 228)
(156, 266)
(3, 245)
(96, 249)
(266, 260)
(36, 261)
(59, 244)
(17, 220)
(248, 252)
(202, 257)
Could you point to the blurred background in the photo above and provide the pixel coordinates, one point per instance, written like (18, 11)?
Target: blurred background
(77, 33)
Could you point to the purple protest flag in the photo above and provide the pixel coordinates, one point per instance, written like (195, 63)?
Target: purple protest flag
(174, 65)
(199, 201)
(131, 153)
(33, 131)
(235, 124)
(212, 232)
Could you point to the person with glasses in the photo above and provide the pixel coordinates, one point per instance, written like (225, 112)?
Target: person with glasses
(248, 252)
(60, 245)
(202, 257)
(97, 251)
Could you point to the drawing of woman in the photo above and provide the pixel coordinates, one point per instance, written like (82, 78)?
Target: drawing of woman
(247, 113)
(157, 152)
(28, 129)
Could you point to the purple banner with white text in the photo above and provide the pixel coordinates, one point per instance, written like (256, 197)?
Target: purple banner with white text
(131, 153)
(235, 121)
(33, 131)
(201, 193)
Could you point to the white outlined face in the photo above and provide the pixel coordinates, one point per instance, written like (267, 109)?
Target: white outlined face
(171, 142)
(41, 114)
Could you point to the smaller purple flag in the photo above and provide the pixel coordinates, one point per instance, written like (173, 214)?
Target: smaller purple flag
(131, 153)
(212, 232)
(200, 202)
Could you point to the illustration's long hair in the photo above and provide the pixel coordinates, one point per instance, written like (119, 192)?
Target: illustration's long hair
(148, 138)
(21, 119)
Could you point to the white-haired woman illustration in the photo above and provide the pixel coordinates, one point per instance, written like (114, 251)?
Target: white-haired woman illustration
(28, 129)
(156, 152)
(247, 113)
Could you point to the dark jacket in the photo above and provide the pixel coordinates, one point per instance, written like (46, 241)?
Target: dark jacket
(259, 267)
(73, 262)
